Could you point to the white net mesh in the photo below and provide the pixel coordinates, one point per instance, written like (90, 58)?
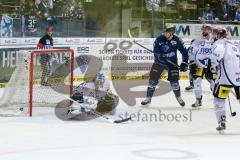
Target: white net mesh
(50, 76)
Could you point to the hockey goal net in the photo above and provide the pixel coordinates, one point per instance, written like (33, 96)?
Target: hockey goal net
(41, 79)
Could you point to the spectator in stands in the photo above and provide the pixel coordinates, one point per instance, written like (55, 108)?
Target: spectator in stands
(152, 5)
(224, 5)
(237, 14)
(232, 7)
(208, 14)
(233, 4)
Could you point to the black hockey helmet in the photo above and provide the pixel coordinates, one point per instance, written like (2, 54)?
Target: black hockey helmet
(222, 32)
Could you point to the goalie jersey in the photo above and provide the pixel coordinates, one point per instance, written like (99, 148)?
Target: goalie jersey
(227, 56)
(90, 89)
(93, 93)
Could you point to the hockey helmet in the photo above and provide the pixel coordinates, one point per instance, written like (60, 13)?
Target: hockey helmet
(214, 30)
(170, 28)
(207, 26)
(222, 32)
(49, 29)
(206, 29)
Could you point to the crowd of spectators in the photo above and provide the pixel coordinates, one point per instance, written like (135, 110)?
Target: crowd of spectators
(71, 9)
(97, 15)
(230, 11)
(206, 10)
(215, 10)
(30, 17)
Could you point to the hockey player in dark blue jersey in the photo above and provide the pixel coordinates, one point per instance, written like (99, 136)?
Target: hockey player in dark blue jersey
(165, 58)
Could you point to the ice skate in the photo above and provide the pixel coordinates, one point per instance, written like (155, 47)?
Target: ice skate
(146, 101)
(180, 101)
(189, 88)
(197, 104)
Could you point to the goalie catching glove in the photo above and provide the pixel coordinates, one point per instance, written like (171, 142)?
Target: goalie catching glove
(108, 103)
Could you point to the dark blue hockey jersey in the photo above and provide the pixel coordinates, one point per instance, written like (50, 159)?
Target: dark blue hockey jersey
(165, 51)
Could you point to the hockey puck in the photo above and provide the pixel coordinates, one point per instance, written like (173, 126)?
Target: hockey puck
(21, 109)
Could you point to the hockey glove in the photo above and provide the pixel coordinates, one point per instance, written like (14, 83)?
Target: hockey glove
(183, 67)
(193, 67)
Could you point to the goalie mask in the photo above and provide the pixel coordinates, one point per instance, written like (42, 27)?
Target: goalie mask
(99, 80)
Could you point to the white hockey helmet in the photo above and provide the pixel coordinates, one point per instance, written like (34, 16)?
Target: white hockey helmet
(207, 26)
(206, 29)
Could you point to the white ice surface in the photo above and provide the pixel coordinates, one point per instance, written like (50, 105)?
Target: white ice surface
(45, 137)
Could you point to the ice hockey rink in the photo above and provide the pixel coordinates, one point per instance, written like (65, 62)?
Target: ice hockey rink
(46, 137)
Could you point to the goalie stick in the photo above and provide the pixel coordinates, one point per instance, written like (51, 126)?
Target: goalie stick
(134, 41)
(102, 115)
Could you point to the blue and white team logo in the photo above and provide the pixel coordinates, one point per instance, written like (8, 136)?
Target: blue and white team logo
(204, 62)
(165, 48)
(203, 56)
(206, 51)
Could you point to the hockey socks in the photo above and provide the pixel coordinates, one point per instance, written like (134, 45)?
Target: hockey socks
(198, 87)
(176, 90)
(150, 92)
(220, 113)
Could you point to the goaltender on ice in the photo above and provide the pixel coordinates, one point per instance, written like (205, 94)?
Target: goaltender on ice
(94, 95)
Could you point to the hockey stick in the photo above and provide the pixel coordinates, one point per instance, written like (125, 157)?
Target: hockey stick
(131, 37)
(101, 115)
(232, 113)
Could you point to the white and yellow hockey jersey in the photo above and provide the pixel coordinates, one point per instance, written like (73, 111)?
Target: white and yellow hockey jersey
(201, 51)
(227, 56)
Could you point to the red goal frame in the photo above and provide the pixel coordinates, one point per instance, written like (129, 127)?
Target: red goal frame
(33, 52)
